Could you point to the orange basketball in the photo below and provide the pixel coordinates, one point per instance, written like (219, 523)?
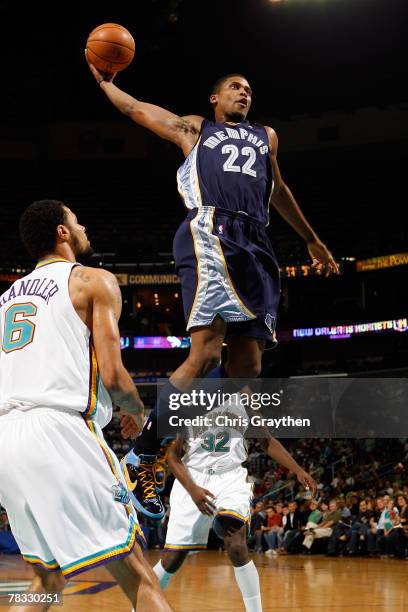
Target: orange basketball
(110, 48)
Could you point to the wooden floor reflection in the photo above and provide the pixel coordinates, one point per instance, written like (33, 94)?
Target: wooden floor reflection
(206, 584)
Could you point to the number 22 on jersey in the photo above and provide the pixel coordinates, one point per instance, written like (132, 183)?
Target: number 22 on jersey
(233, 151)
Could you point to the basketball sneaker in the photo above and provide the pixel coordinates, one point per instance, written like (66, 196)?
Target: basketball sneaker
(160, 468)
(139, 476)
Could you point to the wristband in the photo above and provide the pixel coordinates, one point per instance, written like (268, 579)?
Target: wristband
(101, 80)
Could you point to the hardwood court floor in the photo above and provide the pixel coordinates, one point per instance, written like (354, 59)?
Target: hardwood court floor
(206, 584)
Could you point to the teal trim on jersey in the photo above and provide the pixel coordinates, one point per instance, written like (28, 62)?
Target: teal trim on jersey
(34, 559)
(107, 553)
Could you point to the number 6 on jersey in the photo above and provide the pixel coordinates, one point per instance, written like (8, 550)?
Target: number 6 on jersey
(18, 330)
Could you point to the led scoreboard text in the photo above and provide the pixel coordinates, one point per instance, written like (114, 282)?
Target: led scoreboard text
(345, 331)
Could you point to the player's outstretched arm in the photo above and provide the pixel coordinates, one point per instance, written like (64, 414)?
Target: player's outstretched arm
(285, 203)
(106, 305)
(279, 453)
(182, 131)
(201, 497)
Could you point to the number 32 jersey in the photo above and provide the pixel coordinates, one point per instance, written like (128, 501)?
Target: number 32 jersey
(229, 168)
(221, 445)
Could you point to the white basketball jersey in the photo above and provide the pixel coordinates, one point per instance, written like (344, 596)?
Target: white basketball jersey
(47, 358)
(222, 446)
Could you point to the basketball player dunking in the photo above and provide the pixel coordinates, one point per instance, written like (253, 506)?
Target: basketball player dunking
(228, 272)
(60, 369)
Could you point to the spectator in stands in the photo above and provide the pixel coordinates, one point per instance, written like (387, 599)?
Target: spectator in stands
(258, 521)
(370, 504)
(274, 529)
(402, 505)
(325, 528)
(359, 529)
(389, 503)
(375, 536)
(395, 542)
(353, 504)
(344, 507)
(314, 516)
(292, 529)
(340, 534)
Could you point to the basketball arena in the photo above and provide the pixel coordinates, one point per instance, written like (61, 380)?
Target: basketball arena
(272, 249)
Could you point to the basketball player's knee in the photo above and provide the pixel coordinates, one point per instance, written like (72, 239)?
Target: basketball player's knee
(206, 359)
(244, 366)
(212, 359)
(172, 561)
(238, 553)
(254, 368)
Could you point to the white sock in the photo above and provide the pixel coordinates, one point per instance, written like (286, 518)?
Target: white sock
(248, 581)
(163, 576)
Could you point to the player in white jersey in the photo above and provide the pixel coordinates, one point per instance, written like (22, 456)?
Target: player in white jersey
(60, 369)
(212, 490)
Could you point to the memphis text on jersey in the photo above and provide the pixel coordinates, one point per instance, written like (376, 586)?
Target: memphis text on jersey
(237, 134)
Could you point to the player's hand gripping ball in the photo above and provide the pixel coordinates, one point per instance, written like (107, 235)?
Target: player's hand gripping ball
(110, 48)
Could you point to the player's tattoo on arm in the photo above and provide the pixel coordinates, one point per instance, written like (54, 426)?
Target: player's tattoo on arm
(185, 127)
(79, 273)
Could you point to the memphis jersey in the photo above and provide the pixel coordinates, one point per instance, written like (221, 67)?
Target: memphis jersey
(222, 446)
(46, 358)
(229, 168)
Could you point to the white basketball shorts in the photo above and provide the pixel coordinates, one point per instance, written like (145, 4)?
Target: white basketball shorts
(63, 491)
(188, 528)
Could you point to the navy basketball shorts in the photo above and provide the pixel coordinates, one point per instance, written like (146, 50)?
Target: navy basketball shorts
(227, 267)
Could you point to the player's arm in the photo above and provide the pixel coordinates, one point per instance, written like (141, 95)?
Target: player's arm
(276, 451)
(182, 131)
(106, 304)
(285, 203)
(201, 497)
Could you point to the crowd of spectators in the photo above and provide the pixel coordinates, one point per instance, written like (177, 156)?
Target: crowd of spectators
(349, 526)
(360, 506)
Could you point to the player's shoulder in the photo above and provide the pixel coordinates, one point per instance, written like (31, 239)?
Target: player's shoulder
(97, 278)
(272, 137)
(270, 131)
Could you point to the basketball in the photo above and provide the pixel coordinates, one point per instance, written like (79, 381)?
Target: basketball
(110, 48)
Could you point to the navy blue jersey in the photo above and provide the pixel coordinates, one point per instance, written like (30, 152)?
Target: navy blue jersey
(229, 168)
